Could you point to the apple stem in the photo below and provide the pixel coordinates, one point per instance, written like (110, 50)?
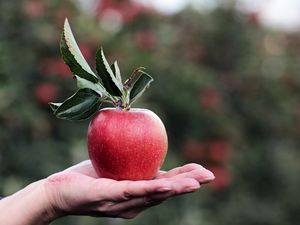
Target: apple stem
(122, 105)
(118, 104)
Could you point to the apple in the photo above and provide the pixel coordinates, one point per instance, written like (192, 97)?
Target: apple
(223, 177)
(127, 145)
(34, 8)
(145, 40)
(124, 143)
(46, 92)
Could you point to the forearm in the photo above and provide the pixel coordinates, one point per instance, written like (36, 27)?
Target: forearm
(29, 206)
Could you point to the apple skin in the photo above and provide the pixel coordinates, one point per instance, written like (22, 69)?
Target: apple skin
(127, 145)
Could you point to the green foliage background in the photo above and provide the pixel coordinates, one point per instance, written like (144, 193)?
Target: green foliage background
(227, 89)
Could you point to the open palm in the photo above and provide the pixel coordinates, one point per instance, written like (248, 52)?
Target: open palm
(78, 190)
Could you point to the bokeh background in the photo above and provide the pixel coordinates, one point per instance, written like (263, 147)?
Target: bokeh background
(227, 86)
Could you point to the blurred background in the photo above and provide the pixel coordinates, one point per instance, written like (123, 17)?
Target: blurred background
(227, 87)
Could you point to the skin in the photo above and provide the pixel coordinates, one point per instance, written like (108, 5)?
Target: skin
(136, 154)
(79, 191)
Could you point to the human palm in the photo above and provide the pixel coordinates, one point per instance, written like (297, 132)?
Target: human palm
(78, 190)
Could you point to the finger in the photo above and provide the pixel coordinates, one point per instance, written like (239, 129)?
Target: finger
(179, 187)
(134, 205)
(202, 175)
(160, 173)
(124, 190)
(184, 185)
(131, 214)
(178, 170)
(85, 168)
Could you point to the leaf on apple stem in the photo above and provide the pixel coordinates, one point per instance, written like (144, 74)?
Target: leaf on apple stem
(116, 71)
(108, 78)
(97, 87)
(94, 89)
(140, 85)
(54, 106)
(73, 56)
(82, 105)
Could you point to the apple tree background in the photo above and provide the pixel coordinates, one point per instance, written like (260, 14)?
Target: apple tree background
(227, 89)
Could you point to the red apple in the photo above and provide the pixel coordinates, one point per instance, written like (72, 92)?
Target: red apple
(223, 177)
(127, 144)
(34, 8)
(210, 98)
(145, 40)
(46, 92)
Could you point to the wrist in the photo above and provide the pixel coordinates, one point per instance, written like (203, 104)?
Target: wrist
(29, 206)
(50, 211)
(52, 200)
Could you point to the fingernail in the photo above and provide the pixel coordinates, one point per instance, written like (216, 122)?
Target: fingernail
(127, 196)
(163, 189)
(209, 177)
(210, 174)
(193, 188)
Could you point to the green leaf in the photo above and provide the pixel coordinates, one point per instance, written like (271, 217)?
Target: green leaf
(116, 71)
(136, 73)
(73, 56)
(109, 81)
(140, 86)
(83, 104)
(54, 106)
(97, 87)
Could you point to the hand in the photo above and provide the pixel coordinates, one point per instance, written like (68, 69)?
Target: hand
(79, 191)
